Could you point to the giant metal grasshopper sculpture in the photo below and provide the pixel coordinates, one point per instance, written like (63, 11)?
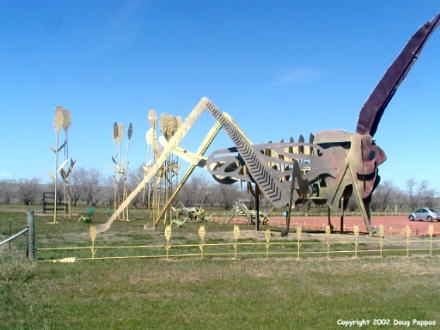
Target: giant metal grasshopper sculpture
(326, 170)
(333, 164)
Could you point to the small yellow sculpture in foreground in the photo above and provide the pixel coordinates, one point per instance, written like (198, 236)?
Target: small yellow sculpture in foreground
(202, 234)
(267, 238)
(407, 231)
(236, 236)
(431, 233)
(356, 237)
(327, 234)
(167, 239)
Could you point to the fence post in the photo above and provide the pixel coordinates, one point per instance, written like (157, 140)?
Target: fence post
(31, 234)
(10, 234)
(407, 231)
(431, 232)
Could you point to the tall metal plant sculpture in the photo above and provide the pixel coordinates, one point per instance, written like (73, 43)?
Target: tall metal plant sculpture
(62, 120)
(68, 163)
(124, 196)
(325, 170)
(153, 153)
(168, 125)
(120, 166)
(160, 189)
(118, 133)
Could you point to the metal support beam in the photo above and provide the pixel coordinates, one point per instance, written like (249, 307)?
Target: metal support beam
(257, 208)
(329, 218)
(21, 232)
(30, 229)
(364, 211)
(289, 209)
(342, 215)
(200, 152)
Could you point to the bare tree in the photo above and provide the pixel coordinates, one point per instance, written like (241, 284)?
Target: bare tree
(383, 196)
(411, 193)
(227, 195)
(77, 185)
(28, 190)
(7, 191)
(135, 176)
(107, 191)
(195, 191)
(425, 194)
(92, 186)
(419, 194)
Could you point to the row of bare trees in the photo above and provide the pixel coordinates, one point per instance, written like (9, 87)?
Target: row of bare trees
(86, 186)
(91, 187)
(25, 191)
(416, 194)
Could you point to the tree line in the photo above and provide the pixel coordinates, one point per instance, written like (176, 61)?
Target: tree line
(90, 187)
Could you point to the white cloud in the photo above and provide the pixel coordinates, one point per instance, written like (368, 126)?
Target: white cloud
(122, 28)
(301, 76)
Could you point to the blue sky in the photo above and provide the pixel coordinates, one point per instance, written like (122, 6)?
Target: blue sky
(280, 68)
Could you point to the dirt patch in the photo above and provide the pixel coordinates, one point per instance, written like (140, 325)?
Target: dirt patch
(392, 224)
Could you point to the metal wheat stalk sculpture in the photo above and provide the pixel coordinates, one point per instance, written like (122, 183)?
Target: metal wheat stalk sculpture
(67, 168)
(124, 196)
(120, 166)
(118, 134)
(154, 191)
(62, 120)
(168, 126)
(161, 187)
(66, 124)
(58, 123)
(115, 138)
(152, 154)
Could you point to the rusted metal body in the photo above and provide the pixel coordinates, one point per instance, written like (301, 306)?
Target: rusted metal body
(332, 165)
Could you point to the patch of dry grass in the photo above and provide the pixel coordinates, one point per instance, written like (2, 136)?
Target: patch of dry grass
(214, 292)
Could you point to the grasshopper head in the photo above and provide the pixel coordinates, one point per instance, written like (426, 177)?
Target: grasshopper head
(364, 158)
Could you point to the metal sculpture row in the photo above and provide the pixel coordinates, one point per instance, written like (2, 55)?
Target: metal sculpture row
(298, 247)
(325, 170)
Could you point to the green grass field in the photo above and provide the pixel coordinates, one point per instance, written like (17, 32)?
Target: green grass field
(216, 292)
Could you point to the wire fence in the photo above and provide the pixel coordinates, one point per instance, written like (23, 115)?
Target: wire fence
(239, 248)
(29, 230)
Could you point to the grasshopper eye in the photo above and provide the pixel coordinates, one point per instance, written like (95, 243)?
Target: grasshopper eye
(371, 155)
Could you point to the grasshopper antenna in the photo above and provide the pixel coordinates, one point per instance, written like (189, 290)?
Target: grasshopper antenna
(374, 108)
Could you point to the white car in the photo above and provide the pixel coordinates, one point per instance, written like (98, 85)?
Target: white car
(424, 214)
